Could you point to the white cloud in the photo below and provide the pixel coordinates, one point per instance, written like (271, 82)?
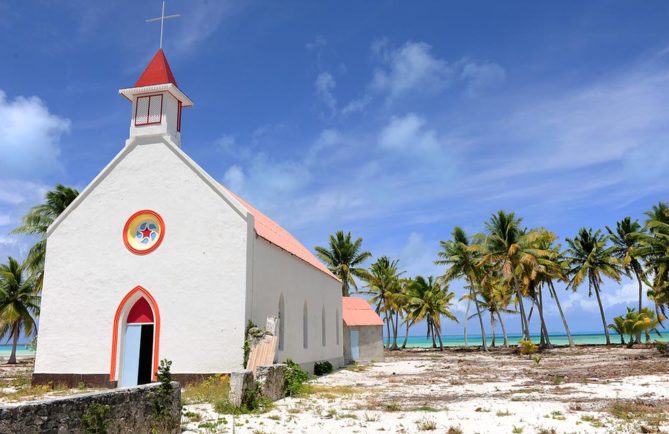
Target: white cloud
(29, 137)
(325, 85)
(227, 143)
(202, 19)
(318, 43)
(234, 178)
(480, 76)
(356, 105)
(411, 68)
(408, 133)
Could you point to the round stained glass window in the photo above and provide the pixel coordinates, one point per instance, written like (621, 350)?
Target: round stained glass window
(143, 232)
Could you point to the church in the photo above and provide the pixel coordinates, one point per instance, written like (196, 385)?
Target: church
(157, 260)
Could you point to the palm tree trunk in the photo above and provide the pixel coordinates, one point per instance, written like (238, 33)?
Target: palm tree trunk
(388, 331)
(541, 316)
(564, 321)
(465, 321)
(523, 317)
(396, 326)
(501, 323)
(484, 344)
(638, 279)
(431, 326)
(406, 335)
(601, 310)
(15, 342)
(492, 329)
(394, 330)
(441, 344)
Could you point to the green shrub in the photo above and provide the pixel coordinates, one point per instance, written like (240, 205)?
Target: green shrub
(322, 368)
(662, 347)
(96, 418)
(162, 397)
(527, 347)
(295, 379)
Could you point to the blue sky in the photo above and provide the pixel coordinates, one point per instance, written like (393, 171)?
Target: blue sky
(394, 120)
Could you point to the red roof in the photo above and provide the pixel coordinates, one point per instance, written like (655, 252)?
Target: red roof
(358, 312)
(271, 231)
(158, 72)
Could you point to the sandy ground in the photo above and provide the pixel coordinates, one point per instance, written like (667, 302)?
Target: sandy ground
(586, 390)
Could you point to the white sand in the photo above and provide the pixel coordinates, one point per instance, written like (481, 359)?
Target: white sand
(570, 392)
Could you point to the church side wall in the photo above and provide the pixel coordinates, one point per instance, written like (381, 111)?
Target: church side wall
(198, 275)
(277, 272)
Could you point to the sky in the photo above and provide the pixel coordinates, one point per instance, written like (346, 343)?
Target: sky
(394, 120)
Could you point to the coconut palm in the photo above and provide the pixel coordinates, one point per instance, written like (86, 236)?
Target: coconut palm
(495, 297)
(462, 262)
(508, 248)
(634, 323)
(618, 326)
(590, 258)
(19, 303)
(344, 258)
(655, 251)
(37, 221)
(627, 242)
(429, 300)
(383, 284)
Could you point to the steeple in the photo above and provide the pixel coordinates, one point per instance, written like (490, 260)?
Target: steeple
(157, 102)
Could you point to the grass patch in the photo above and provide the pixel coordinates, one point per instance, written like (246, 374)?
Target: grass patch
(517, 429)
(632, 411)
(392, 407)
(329, 392)
(212, 389)
(557, 379)
(454, 430)
(193, 417)
(426, 408)
(356, 367)
(593, 421)
(426, 424)
(503, 413)
(557, 415)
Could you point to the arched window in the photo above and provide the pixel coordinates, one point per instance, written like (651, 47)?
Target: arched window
(282, 321)
(323, 338)
(337, 325)
(305, 326)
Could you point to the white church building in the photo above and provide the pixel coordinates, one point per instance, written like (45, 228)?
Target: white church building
(155, 259)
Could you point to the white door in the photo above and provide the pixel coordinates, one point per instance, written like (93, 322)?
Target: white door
(355, 341)
(133, 335)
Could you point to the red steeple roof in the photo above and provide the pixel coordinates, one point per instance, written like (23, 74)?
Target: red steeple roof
(158, 72)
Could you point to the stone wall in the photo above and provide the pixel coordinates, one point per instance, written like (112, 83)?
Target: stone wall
(268, 379)
(130, 412)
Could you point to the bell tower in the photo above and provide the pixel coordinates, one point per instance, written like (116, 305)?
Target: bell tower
(157, 102)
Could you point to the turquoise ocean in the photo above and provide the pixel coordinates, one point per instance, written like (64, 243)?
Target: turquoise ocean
(557, 339)
(21, 350)
(449, 341)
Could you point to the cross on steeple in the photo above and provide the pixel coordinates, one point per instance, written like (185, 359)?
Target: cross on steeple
(162, 19)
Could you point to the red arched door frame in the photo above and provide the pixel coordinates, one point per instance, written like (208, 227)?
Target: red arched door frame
(117, 320)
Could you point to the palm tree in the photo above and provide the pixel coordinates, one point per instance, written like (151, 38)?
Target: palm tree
(626, 242)
(590, 258)
(655, 251)
(19, 303)
(344, 258)
(463, 262)
(383, 283)
(508, 248)
(37, 221)
(495, 297)
(429, 300)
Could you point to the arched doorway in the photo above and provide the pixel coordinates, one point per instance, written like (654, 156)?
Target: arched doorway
(135, 339)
